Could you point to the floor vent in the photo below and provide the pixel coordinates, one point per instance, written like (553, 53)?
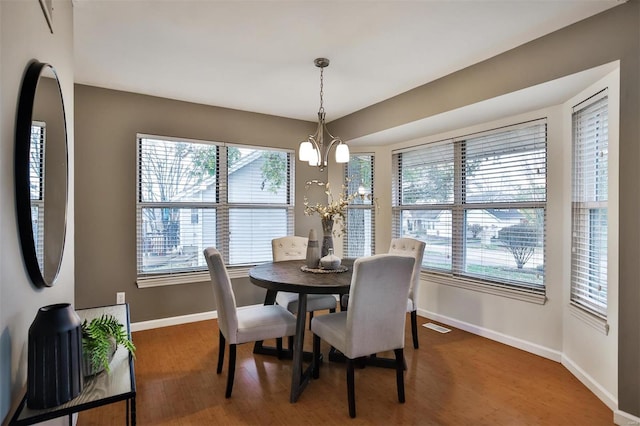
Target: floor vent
(436, 327)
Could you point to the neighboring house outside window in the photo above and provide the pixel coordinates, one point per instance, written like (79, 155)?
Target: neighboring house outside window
(478, 202)
(196, 194)
(359, 239)
(589, 213)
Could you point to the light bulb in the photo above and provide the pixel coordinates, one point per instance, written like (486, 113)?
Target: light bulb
(314, 157)
(342, 153)
(304, 150)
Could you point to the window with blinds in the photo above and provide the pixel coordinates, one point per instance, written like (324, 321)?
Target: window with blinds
(478, 202)
(359, 239)
(36, 187)
(196, 194)
(589, 205)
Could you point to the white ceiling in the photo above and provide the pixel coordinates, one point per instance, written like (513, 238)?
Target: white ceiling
(258, 55)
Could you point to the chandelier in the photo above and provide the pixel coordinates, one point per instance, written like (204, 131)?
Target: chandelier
(315, 150)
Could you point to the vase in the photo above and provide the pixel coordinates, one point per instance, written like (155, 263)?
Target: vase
(330, 261)
(88, 369)
(54, 366)
(313, 250)
(327, 237)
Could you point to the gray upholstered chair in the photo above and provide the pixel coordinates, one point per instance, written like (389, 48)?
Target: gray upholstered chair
(245, 325)
(415, 249)
(375, 319)
(295, 248)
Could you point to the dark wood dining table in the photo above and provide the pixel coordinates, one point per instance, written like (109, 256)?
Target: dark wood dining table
(289, 276)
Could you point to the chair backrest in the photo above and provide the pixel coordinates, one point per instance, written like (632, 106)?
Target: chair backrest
(415, 249)
(290, 247)
(377, 310)
(225, 298)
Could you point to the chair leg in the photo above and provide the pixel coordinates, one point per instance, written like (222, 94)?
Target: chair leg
(400, 373)
(290, 343)
(351, 392)
(316, 356)
(220, 353)
(279, 347)
(232, 370)
(344, 302)
(310, 318)
(414, 328)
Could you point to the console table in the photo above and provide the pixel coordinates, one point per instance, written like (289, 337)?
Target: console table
(102, 389)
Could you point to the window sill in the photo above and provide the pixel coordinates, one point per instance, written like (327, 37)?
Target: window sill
(480, 286)
(188, 278)
(600, 324)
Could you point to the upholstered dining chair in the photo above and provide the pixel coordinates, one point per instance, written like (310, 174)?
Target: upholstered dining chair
(375, 319)
(245, 325)
(293, 247)
(415, 249)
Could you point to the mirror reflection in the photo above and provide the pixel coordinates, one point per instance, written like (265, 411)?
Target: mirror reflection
(41, 161)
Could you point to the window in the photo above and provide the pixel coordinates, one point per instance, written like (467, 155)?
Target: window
(478, 202)
(589, 205)
(36, 187)
(196, 194)
(359, 237)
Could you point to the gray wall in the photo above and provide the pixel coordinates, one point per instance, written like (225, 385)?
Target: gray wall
(24, 35)
(107, 122)
(609, 36)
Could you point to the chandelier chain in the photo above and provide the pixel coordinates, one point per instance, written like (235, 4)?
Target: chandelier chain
(321, 90)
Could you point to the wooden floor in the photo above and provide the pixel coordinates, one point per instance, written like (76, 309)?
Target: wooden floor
(453, 379)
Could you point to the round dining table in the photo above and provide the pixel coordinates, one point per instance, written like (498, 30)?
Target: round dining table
(290, 276)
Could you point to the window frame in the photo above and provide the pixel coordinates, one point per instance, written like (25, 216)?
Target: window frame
(458, 208)
(222, 206)
(585, 206)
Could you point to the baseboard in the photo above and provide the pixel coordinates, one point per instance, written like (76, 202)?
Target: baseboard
(182, 319)
(602, 394)
(494, 335)
(166, 322)
(625, 419)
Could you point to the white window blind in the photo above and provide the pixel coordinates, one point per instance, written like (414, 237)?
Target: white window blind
(359, 239)
(196, 194)
(589, 206)
(478, 202)
(260, 202)
(36, 187)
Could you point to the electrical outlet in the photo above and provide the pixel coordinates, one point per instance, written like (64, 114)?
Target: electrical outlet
(120, 297)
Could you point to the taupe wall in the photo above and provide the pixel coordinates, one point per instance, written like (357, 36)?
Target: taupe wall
(609, 36)
(107, 122)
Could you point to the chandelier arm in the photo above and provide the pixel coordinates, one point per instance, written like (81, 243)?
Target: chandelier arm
(334, 140)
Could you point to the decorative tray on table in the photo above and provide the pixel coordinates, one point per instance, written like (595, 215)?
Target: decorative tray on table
(341, 268)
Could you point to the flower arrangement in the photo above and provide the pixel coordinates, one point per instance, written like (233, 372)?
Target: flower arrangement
(334, 211)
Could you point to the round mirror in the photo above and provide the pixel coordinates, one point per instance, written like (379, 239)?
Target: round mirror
(41, 173)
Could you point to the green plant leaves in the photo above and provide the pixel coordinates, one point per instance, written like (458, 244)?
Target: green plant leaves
(98, 337)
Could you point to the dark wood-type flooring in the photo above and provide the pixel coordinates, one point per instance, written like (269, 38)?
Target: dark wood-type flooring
(453, 379)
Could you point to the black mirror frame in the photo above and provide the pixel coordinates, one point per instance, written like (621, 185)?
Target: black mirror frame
(21, 171)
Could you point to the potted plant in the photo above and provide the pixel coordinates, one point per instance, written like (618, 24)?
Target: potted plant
(100, 339)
